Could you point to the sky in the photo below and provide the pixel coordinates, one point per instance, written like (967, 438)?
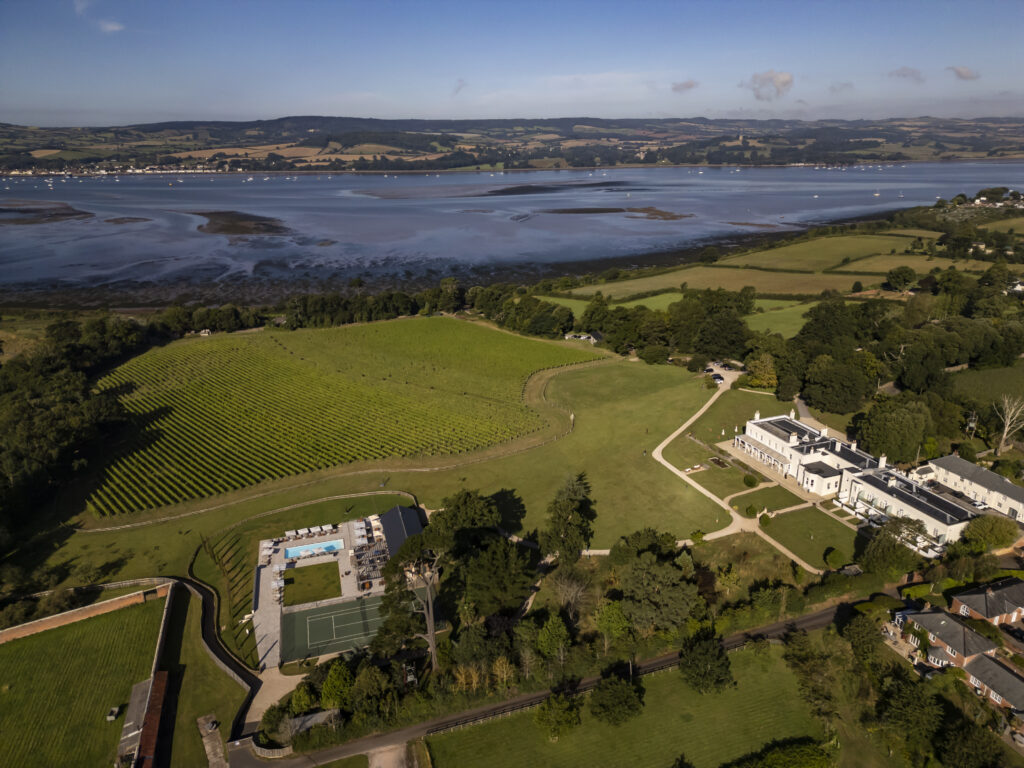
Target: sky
(116, 62)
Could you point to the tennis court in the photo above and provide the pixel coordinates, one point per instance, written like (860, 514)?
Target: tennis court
(329, 628)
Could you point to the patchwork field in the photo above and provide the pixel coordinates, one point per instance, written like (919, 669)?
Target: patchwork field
(578, 306)
(809, 532)
(47, 715)
(1016, 224)
(820, 253)
(919, 262)
(732, 279)
(232, 410)
(709, 730)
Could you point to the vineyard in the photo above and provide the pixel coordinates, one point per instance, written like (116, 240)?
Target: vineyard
(225, 412)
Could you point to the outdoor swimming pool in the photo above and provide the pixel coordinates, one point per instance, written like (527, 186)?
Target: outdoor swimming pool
(326, 546)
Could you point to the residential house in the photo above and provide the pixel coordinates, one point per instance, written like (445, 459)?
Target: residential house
(981, 485)
(1001, 684)
(1001, 602)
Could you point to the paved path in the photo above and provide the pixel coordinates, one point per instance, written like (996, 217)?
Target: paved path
(739, 523)
(241, 756)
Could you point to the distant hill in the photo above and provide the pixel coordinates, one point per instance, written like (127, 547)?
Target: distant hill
(356, 143)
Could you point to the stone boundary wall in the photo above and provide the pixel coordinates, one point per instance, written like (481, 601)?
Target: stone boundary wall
(86, 611)
(209, 651)
(269, 752)
(164, 621)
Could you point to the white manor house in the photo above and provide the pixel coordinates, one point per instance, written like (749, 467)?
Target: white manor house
(829, 467)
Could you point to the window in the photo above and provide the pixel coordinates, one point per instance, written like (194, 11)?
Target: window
(931, 637)
(975, 681)
(951, 652)
(964, 610)
(996, 697)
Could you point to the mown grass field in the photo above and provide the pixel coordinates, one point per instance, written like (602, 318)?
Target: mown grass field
(732, 279)
(924, 234)
(578, 306)
(204, 688)
(732, 411)
(709, 730)
(787, 320)
(820, 253)
(809, 532)
(233, 410)
(1005, 225)
(56, 687)
(987, 384)
(311, 583)
(774, 497)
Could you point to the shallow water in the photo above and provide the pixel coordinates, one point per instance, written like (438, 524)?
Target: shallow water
(342, 225)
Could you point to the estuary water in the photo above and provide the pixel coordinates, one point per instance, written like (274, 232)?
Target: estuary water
(145, 229)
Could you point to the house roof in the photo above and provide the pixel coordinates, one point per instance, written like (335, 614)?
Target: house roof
(917, 497)
(821, 469)
(957, 636)
(987, 479)
(398, 524)
(995, 599)
(783, 426)
(998, 678)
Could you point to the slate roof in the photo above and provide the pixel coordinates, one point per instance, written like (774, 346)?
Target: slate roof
(998, 678)
(917, 497)
(995, 599)
(398, 524)
(957, 636)
(821, 469)
(980, 476)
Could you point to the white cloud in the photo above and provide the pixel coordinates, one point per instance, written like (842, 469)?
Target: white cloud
(684, 86)
(964, 73)
(908, 73)
(837, 88)
(770, 85)
(109, 25)
(81, 6)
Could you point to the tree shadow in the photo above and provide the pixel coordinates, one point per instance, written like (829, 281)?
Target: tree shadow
(171, 662)
(511, 510)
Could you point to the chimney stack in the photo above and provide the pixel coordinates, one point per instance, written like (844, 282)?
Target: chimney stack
(792, 438)
(853, 444)
(824, 431)
(792, 413)
(757, 415)
(881, 461)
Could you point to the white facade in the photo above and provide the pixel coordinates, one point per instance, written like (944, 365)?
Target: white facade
(980, 484)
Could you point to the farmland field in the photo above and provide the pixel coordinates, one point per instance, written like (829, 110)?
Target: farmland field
(732, 279)
(987, 384)
(820, 253)
(786, 320)
(809, 532)
(659, 301)
(47, 713)
(1005, 225)
(232, 410)
(709, 729)
(924, 234)
(919, 262)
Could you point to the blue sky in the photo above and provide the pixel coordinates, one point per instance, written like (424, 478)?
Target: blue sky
(103, 62)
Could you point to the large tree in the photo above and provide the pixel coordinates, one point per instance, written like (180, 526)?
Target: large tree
(887, 553)
(1010, 410)
(614, 701)
(989, 532)
(704, 664)
(656, 596)
(570, 520)
(557, 714)
(895, 428)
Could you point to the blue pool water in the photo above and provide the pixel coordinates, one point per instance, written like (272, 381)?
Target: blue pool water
(328, 546)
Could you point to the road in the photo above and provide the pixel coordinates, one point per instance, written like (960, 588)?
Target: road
(241, 756)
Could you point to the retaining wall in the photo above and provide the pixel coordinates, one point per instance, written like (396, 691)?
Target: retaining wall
(85, 612)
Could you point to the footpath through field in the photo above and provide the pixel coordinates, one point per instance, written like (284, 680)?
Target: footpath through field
(739, 523)
(240, 754)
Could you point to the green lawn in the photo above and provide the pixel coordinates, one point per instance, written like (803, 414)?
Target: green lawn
(721, 481)
(311, 583)
(924, 234)
(233, 410)
(709, 729)
(56, 687)
(732, 411)
(920, 262)
(787, 320)
(774, 497)
(987, 384)
(1005, 225)
(659, 301)
(204, 688)
(820, 253)
(809, 532)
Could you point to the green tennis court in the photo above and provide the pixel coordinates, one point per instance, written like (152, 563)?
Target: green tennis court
(329, 628)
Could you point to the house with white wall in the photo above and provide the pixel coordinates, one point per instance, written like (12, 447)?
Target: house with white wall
(981, 485)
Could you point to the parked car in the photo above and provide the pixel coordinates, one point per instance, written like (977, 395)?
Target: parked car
(709, 370)
(718, 378)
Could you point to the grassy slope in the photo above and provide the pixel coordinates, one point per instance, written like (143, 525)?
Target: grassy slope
(621, 409)
(204, 690)
(809, 532)
(236, 409)
(311, 583)
(921, 263)
(753, 558)
(58, 685)
(709, 729)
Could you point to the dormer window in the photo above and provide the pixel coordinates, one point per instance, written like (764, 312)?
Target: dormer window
(964, 610)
